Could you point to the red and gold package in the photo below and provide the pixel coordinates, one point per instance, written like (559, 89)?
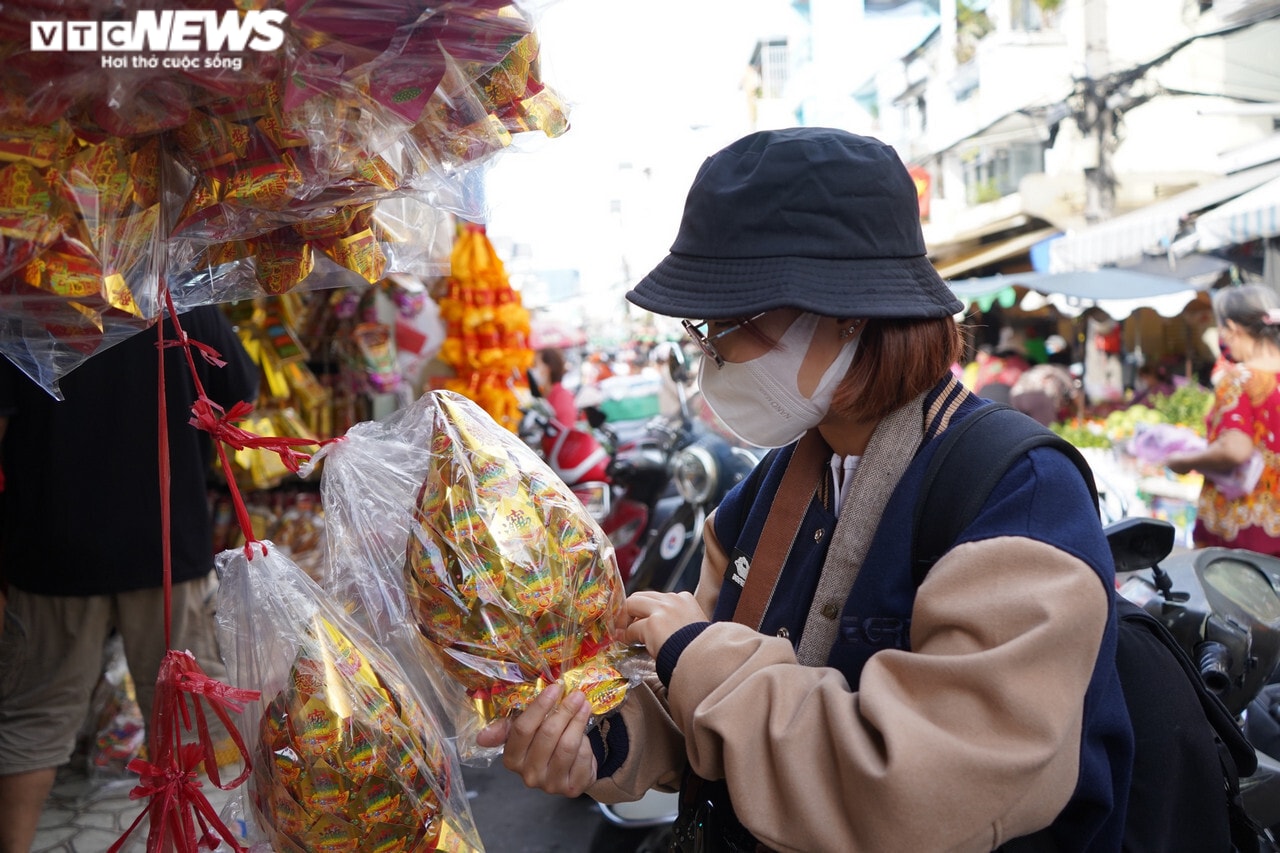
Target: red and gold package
(96, 182)
(513, 584)
(266, 184)
(336, 223)
(37, 146)
(212, 141)
(283, 260)
(358, 252)
(27, 223)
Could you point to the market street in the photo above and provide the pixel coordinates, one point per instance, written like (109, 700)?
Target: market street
(87, 817)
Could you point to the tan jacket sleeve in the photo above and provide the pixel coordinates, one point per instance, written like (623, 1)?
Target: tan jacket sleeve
(967, 741)
(656, 758)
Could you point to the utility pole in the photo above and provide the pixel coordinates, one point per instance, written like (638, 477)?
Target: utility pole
(1096, 116)
(1102, 97)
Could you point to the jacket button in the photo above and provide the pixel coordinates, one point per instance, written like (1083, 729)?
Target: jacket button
(830, 611)
(784, 633)
(818, 534)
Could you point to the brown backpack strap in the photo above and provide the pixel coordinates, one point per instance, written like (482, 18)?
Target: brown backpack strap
(799, 483)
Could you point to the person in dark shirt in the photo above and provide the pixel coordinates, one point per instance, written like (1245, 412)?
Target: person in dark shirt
(81, 542)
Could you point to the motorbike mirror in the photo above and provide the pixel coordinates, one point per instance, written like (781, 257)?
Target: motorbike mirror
(1140, 543)
(676, 365)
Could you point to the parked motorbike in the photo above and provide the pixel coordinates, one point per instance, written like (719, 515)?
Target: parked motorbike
(620, 482)
(576, 456)
(1222, 605)
(702, 466)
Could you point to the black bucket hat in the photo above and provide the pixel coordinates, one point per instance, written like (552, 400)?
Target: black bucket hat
(806, 217)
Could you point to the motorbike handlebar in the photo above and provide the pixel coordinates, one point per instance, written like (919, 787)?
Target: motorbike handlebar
(1214, 662)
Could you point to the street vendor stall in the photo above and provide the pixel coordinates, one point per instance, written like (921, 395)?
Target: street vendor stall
(1132, 330)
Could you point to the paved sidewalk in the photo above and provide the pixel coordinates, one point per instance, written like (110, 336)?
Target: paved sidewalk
(84, 816)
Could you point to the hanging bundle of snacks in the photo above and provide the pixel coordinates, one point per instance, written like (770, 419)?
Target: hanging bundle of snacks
(329, 141)
(346, 756)
(512, 582)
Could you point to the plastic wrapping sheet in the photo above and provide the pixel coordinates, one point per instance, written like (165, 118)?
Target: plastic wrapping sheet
(79, 229)
(346, 755)
(332, 159)
(1153, 443)
(439, 518)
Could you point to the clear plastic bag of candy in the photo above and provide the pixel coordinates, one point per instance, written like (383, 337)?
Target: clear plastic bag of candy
(346, 755)
(441, 519)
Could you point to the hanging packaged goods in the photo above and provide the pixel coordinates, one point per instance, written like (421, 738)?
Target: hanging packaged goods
(296, 146)
(511, 581)
(346, 755)
(487, 329)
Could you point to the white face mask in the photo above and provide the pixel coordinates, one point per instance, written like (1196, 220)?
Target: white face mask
(760, 400)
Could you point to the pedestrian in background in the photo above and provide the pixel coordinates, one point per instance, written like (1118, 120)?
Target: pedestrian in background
(80, 544)
(1244, 421)
(548, 372)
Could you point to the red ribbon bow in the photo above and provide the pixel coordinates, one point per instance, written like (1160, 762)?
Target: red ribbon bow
(178, 805)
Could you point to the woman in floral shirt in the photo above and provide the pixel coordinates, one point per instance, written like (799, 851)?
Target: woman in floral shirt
(1245, 419)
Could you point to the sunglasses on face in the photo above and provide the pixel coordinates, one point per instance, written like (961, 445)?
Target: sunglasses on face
(697, 330)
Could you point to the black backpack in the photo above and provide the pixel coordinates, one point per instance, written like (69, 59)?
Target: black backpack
(1189, 751)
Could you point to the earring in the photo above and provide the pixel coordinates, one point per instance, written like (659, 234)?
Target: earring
(845, 334)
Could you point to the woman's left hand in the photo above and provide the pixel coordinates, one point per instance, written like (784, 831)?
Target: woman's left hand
(655, 616)
(1180, 463)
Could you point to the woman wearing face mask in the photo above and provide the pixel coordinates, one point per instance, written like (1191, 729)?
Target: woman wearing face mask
(808, 696)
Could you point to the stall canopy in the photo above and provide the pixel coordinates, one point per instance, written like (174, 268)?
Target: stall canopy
(1252, 216)
(1116, 292)
(993, 253)
(1128, 236)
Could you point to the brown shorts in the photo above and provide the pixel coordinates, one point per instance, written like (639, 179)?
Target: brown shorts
(51, 655)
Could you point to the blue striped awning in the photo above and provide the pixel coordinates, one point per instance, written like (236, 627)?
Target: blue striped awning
(1125, 238)
(1251, 216)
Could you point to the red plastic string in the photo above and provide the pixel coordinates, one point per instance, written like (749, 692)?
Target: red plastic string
(162, 410)
(213, 419)
(178, 806)
(171, 780)
(210, 417)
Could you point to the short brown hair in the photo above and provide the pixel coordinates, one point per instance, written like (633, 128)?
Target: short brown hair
(554, 360)
(897, 360)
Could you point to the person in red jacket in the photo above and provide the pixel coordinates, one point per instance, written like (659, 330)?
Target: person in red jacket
(549, 370)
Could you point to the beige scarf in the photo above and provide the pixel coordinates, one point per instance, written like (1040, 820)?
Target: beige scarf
(893, 445)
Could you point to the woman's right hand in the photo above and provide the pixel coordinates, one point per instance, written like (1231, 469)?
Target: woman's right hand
(546, 744)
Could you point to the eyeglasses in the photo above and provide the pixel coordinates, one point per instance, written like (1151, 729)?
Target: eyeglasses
(705, 341)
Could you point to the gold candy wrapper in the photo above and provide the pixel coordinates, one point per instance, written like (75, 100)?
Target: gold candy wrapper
(283, 260)
(513, 584)
(343, 761)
